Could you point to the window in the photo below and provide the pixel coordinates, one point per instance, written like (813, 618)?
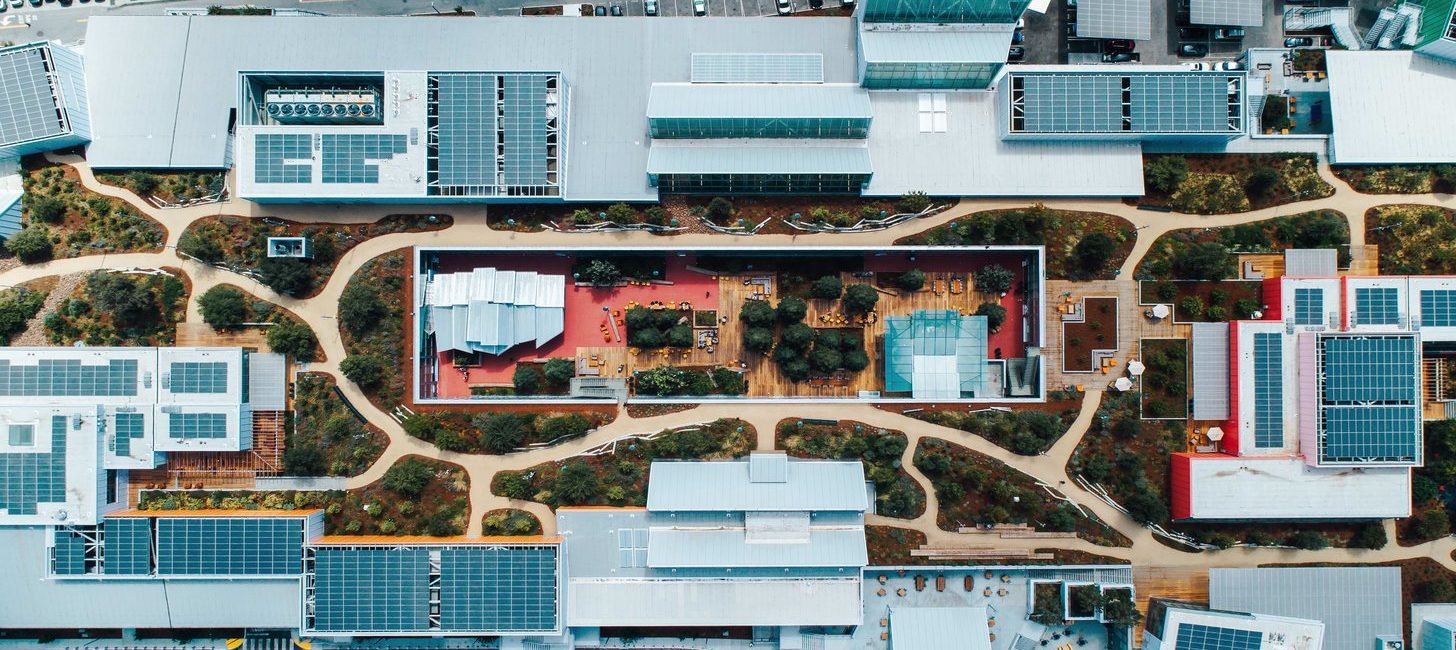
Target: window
(932, 113)
(22, 435)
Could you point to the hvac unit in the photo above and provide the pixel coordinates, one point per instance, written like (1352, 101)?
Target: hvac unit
(273, 110)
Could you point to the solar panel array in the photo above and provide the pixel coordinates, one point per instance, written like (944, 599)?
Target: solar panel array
(493, 133)
(1192, 636)
(271, 150)
(1374, 369)
(128, 546)
(1377, 306)
(1249, 13)
(1438, 308)
(525, 129)
(28, 479)
(1113, 103)
(1309, 307)
(28, 109)
(371, 590)
(757, 68)
(1115, 19)
(1369, 399)
(129, 427)
(346, 155)
(69, 550)
(466, 129)
(1375, 433)
(197, 426)
(69, 378)
(214, 546)
(504, 589)
(1268, 390)
(198, 377)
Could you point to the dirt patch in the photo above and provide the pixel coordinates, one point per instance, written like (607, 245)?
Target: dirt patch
(1098, 331)
(654, 410)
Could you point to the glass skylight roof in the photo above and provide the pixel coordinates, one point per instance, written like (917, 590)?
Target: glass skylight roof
(1106, 103)
(1375, 433)
(495, 133)
(757, 68)
(68, 378)
(1377, 306)
(1369, 399)
(371, 589)
(1438, 308)
(1375, 369)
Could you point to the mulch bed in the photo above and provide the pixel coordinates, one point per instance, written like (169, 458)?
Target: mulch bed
(1097, 332)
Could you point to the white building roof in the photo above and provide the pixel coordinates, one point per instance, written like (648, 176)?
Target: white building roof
(1357, 605)
(1391, 107)
(1190, 628)
(1230, 487)
(724, 486)
(632, 602)
(939, 628)
(490, 310)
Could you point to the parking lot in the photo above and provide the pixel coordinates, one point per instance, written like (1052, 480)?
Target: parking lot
(1047, 40)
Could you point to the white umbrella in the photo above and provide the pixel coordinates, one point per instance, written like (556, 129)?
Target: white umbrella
(1122, 384)
(1135, 368)
(1160, 311)
(1215, 434)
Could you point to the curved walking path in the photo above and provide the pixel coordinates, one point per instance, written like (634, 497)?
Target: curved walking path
(469, 226)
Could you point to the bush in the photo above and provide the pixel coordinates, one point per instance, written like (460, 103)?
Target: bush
(828, 338)
(365, 370)
(16, 308)
(994, 278)
(223, 307)
(1217, 314)
(559, 371)
(1092, 252)
(568, 425)
(856, 360)
(44, 209)
(621, 213)
(292, 338)
(1146, 508)
(1261, 182)
(656, 216)
(1435, 590)
(912, 280)
(1308, 540)
(1165, 173)
(31, 245)
(995, 315)
(647, 338)
(680, 336)
(1166, 291)
(662, 380)
(719, 210)
(424, 426)
(1210, 194)
(828, 287)
(798, 336)
(360, 309)
(526, 379)
(1190, 307)
(1431, 524)
(913, 202)
(758, 339)
(601, 273)
(501, 432)
(796, 370)
(825, 359)
(575, 484)
(791, 310)
(638, 318)
(207, 251)
(289, 276)
(1371, 536)
(1203, 261)
(408, 477)
(128, 300)
(729, 382)
(757, 313)
(860, 299)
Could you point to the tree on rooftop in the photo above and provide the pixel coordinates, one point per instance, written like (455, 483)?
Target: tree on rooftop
(290, 276)
(995, 315)
(365, 370)
(912, 280)
(798, 336)
(526, 379)
(1165, 173)
(292, 338)
(44, 209)
(559, 371)
(575, 484)
(601, 273)
(129, 301)
(1092, 252)
(408, 477)
(828, 287)
(791, 309)
(1203, 261)
(31, 245)
(757, 313)
(915, 201)
(825, 359)
(719, 210)
(360, 308)
(758, 339)
(994, 278)
(856, 360)
(1261, 182)
(501, 432)
(223, 307)
(860, 299)
(206, 250)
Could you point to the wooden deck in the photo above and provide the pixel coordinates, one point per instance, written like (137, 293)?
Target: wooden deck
(202, 335)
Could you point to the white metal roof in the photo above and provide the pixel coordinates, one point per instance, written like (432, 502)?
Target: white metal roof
(713, 602)
(1187, 628)
(768, 100)
(1391, 107)
(1311, 263)
(759, 156)
(1232, 487)
(1355, 604)
(724, 486)
(731, 548)
(939, 628)
(927, 43)
(1210, 371)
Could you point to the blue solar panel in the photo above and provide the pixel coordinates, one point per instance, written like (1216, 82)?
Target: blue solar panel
(525, 129)
(28, 479)
(69, 551)
(198, 377)
(498, 589)
(69, 378)
(346, 155)
(466, 126)
(129, 427)
(270, 150)
(1207, 637)
(1369, 369)
(1438, 308)
(197, 426)
(128, 546)
(1268, 390)
(371, 589)
(1371, 433)
(1309, 307)
(208, 546)
(1377, 306)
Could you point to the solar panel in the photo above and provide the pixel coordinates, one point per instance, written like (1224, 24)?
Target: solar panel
(271, 153)
(1371, 433)
(128, 546)
(1369, 399)
(525, 129)
(1268, 390)
(371, 589)
(28, 107)
(467, 134)
(68, 553)
(1115, 19)
(129, 427)
(347, 156)
(1438, 308)
(1377, 306)
(193, 377)
(209, 546)
(28, 479)
(1369, 369)
(1123, 103)
(498, 589)
(757, 68)
(197, 426)
(69, 378)
(1207, 637)
(1247, 13)
(1309, 306)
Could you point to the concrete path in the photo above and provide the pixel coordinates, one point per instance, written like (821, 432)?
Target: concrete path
(470, 228)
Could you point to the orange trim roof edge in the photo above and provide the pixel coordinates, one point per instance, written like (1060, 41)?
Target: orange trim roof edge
(407, 540)
(217, 512)
(631, 508)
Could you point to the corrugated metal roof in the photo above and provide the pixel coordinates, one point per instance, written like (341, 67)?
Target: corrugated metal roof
(1211, 371)
(1311, 263)
(1115, 19)
(758, 100)
(714, 602)
(1253, 488)
(728, 548)
(924, 43)
(1246, 13)
(1374, 118)
(724, 486)
(939, 628)
(267, 381)
(759, 157)
(1356, 604)
(768, 467)
(757, 67)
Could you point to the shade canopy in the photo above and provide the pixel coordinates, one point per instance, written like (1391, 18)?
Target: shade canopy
(1135, 368)
(1160, 311)
(1122, 384)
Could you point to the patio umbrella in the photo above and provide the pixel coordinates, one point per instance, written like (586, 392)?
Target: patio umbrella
(1122, 384)
(1215, 434)
(1135, 367)
(1161, 311)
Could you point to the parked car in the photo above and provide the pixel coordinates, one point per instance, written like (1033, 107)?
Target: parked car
(601, 10)
(1228, 33)
(1298, 41)
(1192, 49)
(1017, 37)
(846, 3)
(617, 10)
(1020, 23)
(16, 4)
(785, 7)
(1016, 53)
(649, 7)
(36, 3)
(1119, 57)
(1196, 67)
(700, 7)
(816, 4)
(1228, 66)
(1118, 45)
